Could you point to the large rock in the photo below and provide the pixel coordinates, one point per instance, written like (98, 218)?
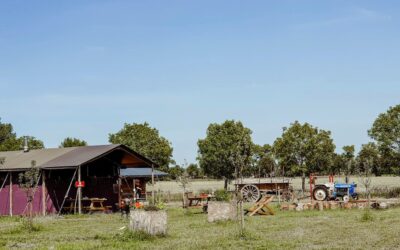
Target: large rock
(151, 222)
(218, 210)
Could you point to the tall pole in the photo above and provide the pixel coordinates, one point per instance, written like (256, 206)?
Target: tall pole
(79, 191)
(11, 195)
(44, 193)
(152, 184)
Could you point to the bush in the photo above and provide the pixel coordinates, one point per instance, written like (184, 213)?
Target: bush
(222, 195)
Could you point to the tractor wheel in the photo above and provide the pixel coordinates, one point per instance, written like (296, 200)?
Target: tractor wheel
(250, 193)
(320, 193)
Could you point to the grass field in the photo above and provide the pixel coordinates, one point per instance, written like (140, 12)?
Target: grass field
(199, 185)
(334, 229)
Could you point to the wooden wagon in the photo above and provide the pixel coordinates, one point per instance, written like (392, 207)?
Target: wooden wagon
(252, 192)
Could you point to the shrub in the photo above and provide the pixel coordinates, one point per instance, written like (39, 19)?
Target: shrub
(222, 195)
(151, 208)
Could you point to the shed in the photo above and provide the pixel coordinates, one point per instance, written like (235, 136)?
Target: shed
(67, 175)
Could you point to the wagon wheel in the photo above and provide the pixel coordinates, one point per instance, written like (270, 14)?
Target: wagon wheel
(287, 195)
(250, 193)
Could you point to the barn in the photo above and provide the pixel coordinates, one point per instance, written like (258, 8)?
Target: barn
(70, 179)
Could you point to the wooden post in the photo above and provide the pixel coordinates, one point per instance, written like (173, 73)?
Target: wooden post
(79, 191)
(279, 195)
(119, 191)
(11, 195)
(152, 184)
(44, 193)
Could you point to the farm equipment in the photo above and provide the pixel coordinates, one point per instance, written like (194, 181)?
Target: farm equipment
(332, 191)
(252, 192)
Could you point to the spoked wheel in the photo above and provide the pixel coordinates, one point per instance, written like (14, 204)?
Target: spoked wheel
(287, 195)
(250, 193)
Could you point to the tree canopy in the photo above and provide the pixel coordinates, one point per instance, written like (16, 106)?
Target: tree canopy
(303, 148)
(386, 129)
(72, 142)
(264, 161)
(227, 146)
(369, 155)
(175, 172)
(146, 141)
(193, 170)
(10, 142)
(386, 132)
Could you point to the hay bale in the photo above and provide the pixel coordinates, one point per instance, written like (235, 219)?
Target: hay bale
(218, 211)
(151, 222)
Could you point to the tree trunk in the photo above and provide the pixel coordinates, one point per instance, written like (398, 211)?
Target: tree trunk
(226, 184)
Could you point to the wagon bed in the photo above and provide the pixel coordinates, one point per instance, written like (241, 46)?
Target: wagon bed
(252, 191)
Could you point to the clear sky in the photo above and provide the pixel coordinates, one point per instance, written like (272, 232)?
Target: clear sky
(84, 68)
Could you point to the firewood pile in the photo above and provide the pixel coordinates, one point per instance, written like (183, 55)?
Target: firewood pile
(326, 205)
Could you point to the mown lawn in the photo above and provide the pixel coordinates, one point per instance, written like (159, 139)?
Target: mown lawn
(335, 229)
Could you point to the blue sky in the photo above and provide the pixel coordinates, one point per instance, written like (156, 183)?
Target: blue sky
(84, 68)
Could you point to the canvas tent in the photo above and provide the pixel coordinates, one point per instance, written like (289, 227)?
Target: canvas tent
(98, 166)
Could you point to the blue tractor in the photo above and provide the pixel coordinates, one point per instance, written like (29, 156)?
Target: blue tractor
(335, 191)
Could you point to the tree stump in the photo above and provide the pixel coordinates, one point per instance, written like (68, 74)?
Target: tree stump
(321, 206)
(151, 222)
(218, 210)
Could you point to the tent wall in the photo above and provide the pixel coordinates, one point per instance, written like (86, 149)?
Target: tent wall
(4, 198)
(20, 199)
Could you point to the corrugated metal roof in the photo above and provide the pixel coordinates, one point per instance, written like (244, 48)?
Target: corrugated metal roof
(61, 157)
(141, 172)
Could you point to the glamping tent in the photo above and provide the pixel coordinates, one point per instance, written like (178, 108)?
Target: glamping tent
(69, 178)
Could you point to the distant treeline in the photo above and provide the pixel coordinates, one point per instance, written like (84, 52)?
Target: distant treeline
(228, 149)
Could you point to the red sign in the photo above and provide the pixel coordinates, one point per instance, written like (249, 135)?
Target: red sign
(79, 184)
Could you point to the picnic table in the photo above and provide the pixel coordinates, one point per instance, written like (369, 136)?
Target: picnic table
(198, 201)
(95, 205)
